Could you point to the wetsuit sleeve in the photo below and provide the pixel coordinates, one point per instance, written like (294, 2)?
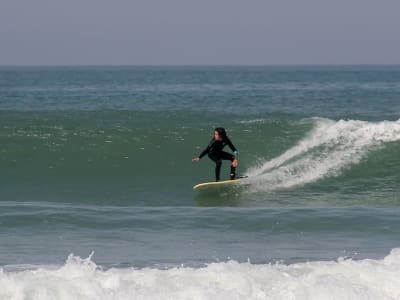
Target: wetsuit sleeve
(205, 151)
(229, 143)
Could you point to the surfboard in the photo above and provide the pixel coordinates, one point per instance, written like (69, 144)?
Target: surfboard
(217, 183)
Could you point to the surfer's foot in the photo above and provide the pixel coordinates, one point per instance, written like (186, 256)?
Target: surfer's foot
(233, 176)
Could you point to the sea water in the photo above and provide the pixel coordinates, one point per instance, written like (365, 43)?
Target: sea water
(96, 198)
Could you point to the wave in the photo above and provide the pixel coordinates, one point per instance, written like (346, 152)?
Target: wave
(328, 149)
(83, 279)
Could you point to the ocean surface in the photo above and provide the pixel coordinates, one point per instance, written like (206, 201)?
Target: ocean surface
(96, 177)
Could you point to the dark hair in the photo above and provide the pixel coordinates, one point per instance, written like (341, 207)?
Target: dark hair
(221, 132)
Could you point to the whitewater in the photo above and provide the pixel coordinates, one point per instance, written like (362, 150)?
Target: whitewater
(83, 279)
(327, 150)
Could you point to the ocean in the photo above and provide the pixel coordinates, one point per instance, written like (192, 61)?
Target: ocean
(96, 177)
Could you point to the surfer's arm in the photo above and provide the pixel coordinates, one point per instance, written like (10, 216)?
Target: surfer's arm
(235, 153)
(205, 151)
(233, 148)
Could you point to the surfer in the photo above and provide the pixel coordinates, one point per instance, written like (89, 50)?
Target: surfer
(215, 153)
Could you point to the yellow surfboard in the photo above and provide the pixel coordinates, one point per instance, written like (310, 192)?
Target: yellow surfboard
(217, 183)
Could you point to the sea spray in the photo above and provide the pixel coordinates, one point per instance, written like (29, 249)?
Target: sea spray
(330, 148)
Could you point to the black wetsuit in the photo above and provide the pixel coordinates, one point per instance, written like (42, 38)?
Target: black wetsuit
(215, 153)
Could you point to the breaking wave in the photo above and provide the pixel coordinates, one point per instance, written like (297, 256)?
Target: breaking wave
(83, 279)
(328, 149)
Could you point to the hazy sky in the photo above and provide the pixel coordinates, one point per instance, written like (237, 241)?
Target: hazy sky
(199, 32)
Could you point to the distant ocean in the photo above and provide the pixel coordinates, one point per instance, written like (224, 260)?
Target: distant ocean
(96, 177)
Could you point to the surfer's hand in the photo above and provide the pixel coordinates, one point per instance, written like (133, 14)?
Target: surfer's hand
(235, 163)
(196, 159)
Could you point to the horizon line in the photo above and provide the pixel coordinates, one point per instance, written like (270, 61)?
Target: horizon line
(203, 65)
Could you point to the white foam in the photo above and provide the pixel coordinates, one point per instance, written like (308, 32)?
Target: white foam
(253, 121)
(82, 279)
(327, 150)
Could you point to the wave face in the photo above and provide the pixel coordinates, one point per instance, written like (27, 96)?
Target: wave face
(83, 279)
(327, 150)
(117, 157)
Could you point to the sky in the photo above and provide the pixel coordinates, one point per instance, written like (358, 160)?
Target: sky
(202, 32)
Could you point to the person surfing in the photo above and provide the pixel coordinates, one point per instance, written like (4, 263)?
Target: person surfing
(215, 152)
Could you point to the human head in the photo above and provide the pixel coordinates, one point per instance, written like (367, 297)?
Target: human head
(220, 134)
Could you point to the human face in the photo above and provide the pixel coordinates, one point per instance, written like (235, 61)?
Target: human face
(216, 136)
